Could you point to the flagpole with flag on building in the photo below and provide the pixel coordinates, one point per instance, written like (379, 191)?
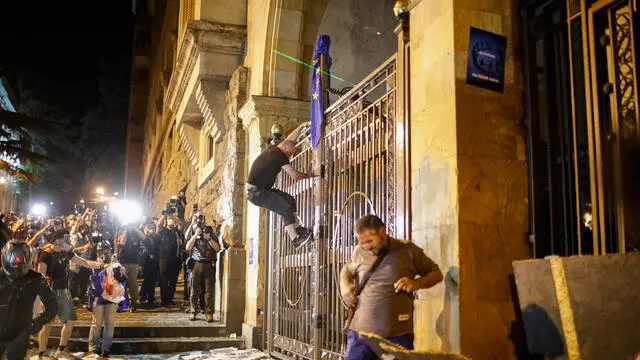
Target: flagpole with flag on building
(319, 103)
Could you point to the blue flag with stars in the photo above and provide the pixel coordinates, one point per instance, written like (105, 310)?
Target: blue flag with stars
(317, 109)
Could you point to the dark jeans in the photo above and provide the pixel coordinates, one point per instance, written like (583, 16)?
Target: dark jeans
(150, 271)
(79, 283)
(168, 279)
(274, 200)
(16, 349)
(203, 281)
(187, 283)
(359, 350)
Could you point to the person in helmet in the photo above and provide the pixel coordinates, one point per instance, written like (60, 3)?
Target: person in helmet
(19, 287)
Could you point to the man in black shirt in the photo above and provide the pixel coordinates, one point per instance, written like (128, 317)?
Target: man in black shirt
(262, 177)
(169, 254)
(129, 256)
(53, 263)
(150, 267)
(19, 287)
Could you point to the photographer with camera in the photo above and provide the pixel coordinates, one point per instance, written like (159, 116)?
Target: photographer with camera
(197, 221)
(204, 247)
(169, 254)
(46, 232)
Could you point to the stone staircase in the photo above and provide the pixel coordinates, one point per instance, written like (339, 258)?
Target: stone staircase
(154, 331)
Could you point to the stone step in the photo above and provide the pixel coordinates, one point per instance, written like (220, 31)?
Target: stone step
(155, 345)
(151, 331)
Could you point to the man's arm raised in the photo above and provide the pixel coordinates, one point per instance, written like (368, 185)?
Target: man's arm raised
(295, 133)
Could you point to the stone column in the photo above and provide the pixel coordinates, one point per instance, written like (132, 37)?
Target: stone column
(258, 115)
(469, 178)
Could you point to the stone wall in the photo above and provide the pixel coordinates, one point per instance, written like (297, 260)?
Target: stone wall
(469, 179)
(178, 173)
(222, 196)
(361, 33)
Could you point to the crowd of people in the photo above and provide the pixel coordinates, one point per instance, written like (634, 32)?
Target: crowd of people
(54, 266)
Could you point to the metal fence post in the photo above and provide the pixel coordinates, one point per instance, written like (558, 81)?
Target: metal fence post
(319, 231)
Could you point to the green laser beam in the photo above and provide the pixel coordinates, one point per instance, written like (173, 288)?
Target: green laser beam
(311, 67)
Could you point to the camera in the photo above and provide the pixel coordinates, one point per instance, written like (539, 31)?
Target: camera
(79, 208)
(169, 210)
(97, 238)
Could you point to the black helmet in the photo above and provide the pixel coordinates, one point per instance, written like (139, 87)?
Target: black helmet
(16, 258)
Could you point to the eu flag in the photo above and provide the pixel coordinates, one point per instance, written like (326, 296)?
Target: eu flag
(317, 109)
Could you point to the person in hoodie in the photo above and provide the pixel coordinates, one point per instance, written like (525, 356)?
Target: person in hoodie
(107, 296)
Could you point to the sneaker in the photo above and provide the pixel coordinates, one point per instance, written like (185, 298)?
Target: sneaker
(209, 318)
(193, 316)
(64, 354)
(304, 235)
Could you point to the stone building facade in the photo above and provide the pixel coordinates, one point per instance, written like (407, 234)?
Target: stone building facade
(209, 82)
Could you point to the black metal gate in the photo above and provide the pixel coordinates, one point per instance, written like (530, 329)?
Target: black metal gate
(305, 313)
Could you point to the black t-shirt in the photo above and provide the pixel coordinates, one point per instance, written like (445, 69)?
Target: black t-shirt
(129, 252)
(151, 247)
(168, 248)
(57, 267)
(266, 168)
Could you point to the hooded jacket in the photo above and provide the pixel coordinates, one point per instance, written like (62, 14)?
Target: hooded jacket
(16, 304)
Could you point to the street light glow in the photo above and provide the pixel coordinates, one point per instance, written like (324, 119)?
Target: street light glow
(51, 203)
(126, 211)
(115, 194)
(38, 209)
(100, 190)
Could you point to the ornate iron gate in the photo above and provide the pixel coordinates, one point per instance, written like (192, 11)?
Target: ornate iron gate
(360, 156)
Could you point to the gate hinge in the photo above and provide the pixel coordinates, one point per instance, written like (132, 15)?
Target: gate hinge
(317, 321)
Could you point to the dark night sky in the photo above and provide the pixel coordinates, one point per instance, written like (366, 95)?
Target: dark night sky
(69, 61)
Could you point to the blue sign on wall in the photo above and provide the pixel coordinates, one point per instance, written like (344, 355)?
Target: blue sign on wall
(487, 54)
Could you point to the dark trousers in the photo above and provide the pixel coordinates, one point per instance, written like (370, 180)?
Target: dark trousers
(168, 279)
(359, 350)
(203, 283)
(16, 349)
(187, 284)
(274, 200)
(150, 271)
(79, 283)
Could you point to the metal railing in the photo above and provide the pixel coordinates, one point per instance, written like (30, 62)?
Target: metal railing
(359, 157)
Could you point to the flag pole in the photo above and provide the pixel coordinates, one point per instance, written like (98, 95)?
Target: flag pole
(319, 233)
